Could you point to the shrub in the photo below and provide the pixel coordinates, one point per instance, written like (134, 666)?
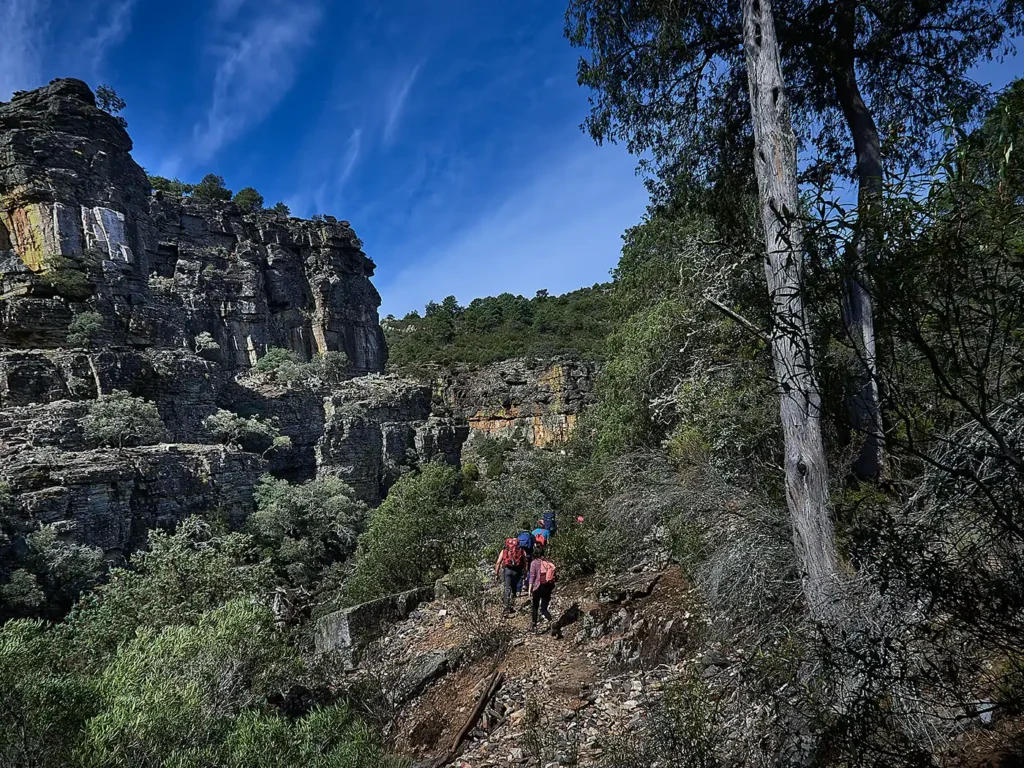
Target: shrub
(286, 367)
(281, 209)
(279, 364)
(248, 200)
(65, 278)
(108, 100)
(22, 593)
(251, 434)
(44, 707)
(64, 569)
(306, 528)
(414, 535)
(120, 420)
(175, 187)
(171, 695)
(83, 328)
(205, 341)
(212, 187)
(182, 576)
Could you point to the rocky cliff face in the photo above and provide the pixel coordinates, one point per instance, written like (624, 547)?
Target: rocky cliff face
(81, 232)
(79, 228)
(534, 401)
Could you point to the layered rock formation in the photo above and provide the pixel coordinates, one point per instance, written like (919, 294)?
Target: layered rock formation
(79, 227)
(535, 401)
(82, 235)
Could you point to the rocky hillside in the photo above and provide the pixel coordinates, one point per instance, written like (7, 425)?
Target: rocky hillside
(183, 296)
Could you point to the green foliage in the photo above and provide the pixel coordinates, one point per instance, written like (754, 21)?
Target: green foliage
(251, 434)
(22, 592)
(108, 100)
(120, 420)
(286, 367)
(212, 187)
(306, 529)
(44, 706)
(205, 341)
(182, 576)
(175, 187)
(248, 200)
(414, 536)
(172, 695)
(502, 327)
(65, 277)
(84, 327)
(652, 89)
(281, 209)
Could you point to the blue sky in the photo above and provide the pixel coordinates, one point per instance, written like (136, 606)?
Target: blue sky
(446, 132)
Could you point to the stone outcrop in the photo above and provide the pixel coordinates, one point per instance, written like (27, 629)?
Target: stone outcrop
(82, 235)
(377, 427)
(536, 401)
(80, 229)
(348, 631)
(110, 498)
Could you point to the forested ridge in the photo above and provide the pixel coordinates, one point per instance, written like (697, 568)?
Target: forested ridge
(502, 327)
(810, 404)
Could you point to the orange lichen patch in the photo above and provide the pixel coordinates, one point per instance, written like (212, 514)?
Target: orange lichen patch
(540, 431)
(25, 228)
(553, 378)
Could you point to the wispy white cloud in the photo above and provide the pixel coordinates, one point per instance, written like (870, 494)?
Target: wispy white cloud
(110, 24)
(255, 69)
(22, 23)
(35, 47)
(559, 231)
(397, 103)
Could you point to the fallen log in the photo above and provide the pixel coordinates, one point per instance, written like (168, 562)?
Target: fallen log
(491, 688)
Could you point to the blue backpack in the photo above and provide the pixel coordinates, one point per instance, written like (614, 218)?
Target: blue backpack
(549, 523)
(526, 541)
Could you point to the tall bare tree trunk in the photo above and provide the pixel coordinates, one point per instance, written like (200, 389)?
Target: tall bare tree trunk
(775, 165)
(858, 318)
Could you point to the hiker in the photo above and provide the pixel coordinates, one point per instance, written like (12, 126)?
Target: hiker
(541, 579)
(547, 521)
(526, 544)
(541, 534)
(510, 566)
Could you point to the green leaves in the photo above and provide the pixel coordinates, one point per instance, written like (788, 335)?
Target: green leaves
(121, 420)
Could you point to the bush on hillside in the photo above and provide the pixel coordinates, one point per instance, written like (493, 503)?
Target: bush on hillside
(121, 420)
(252, 434)
(84, 328)
(306, 529)
(281, 209)
(205, 342)
(286, 367)
(176, 581)
(414, 537)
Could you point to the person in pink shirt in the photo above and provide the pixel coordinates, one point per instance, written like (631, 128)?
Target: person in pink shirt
(541, 580)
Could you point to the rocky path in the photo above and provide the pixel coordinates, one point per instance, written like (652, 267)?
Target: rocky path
(568, 698)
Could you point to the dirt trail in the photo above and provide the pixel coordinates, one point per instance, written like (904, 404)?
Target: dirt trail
(565, 700)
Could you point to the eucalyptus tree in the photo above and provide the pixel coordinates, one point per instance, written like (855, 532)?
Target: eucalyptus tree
(668, 77)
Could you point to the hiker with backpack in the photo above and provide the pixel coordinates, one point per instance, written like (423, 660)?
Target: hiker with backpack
(541, 579)
(510, 568)
(525, 544)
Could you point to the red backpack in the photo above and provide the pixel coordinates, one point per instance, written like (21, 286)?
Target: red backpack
(513, 554)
